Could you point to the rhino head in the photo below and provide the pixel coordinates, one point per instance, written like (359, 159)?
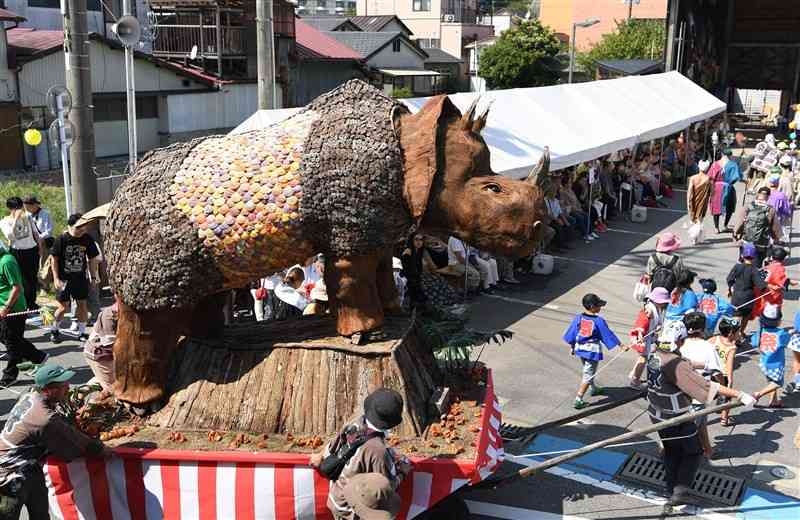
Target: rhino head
(450, 188)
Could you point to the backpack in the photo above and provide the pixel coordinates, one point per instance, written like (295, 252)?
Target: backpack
(332, 466)
(663, 275)
(757, 225)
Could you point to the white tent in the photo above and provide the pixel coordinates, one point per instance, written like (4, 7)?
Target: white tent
(578, 122)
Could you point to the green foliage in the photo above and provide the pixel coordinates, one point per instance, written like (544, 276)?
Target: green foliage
(402, 92)
(521, 57)
(634, 39)
(51, 197)
(452, 342)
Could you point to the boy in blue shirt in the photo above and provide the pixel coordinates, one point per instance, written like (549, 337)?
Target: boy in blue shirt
(712, 305)
(587, 334)
(771, 341)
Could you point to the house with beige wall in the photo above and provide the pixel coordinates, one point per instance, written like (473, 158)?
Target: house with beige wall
(561, 14)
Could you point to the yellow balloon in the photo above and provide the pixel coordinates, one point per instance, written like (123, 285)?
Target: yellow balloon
(33, 137)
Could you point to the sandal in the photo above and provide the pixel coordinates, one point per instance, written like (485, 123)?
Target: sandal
(727, 422)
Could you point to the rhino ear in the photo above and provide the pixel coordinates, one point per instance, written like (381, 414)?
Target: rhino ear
(420, 137)
(480, 123)
(468, 119)
(542, 170)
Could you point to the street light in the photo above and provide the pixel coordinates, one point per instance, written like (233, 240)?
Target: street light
(586, 23)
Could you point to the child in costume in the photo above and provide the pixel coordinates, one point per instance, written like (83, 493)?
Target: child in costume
(771, 341)
(712, 305)
(794, 347)
(586, 335)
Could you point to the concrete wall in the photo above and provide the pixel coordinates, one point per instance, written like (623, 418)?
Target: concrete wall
(560, 15)
(406, 58)
(453, 35)
(111, 137)
(200, 111)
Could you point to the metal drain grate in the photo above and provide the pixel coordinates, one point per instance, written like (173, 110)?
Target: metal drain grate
(710, 485)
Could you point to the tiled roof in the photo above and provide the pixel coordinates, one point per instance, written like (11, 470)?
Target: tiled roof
(440, 56)
(364, 43)
(325, 23)
(315, 45)
(25, 41)
(376, 23)
(8, 16)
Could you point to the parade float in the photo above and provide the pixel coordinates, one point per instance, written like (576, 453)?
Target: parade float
(223, 419)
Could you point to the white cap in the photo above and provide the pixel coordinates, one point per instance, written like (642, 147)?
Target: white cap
(786, 160)
(673, 332)
(396, 263)
(771, 311)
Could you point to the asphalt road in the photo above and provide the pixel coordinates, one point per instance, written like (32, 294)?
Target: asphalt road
(536, 379)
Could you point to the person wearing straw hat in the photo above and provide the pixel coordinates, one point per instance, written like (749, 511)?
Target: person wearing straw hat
(12, 324)
(664, 267)
(34, 430)
(672, 384)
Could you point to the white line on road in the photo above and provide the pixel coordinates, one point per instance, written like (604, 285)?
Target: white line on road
(524, 302)
(642, 233)
(514, 513)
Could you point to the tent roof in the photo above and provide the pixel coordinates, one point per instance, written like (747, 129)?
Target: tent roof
(579, 122)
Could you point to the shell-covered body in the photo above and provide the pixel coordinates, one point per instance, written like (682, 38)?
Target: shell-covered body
(197, 218)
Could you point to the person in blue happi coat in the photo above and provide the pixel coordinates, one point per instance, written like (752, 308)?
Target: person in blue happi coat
(586, 335)
(771, 341)
(712, 305)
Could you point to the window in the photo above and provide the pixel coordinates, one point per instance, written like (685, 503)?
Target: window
(429, 43)
(422, 5)
(396, 45)
(115, 108)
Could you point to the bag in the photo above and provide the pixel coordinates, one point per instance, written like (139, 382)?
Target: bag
(261, 294)
(542, 264)
(641, 324)
(46, 274)
(757, 225)
(663, 275)
(641, 289)
(639, 213)
(332, 466)
(696, 233)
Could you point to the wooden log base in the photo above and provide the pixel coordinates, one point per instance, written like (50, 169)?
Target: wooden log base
(296, 377)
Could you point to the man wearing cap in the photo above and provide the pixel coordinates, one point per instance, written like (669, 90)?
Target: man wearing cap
(12, 328)
(365, 487)
(76, 262)
(32, 431)
(672, 384)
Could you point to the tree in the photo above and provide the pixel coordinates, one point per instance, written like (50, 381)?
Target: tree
(521, 57)
(633, 39)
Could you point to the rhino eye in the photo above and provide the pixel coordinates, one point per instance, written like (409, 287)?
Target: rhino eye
(494, 187)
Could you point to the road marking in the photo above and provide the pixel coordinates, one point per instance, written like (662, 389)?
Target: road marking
(669, 210)
(524, 302)
(514, 513)
(615, 230)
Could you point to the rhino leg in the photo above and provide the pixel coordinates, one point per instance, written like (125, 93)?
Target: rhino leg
(142, 351)
(351, 285)
(387, 289)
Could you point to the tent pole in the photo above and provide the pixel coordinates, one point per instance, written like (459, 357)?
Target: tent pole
(660, 166)
(686, 140)
(705, 137)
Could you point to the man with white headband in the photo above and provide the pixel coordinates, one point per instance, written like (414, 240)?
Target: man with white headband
(672, 383)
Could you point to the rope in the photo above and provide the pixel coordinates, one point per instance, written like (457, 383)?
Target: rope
(634, 443)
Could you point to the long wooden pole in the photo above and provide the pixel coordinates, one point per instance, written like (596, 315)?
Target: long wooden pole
(527, 472)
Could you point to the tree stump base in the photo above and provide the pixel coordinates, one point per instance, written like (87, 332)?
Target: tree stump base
(296, 377)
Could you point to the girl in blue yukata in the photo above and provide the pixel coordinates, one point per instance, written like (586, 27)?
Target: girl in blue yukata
(771, 341)
(794, 346)
(586, 335)
(683, 299)
(712, 305)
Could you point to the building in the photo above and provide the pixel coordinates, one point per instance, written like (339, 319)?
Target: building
(10, 141)
(46, 14)
(395, 62)
(561, 14)
(323, 7)
(323, 63)
(440, 24)
(173, 102)
(474, 50)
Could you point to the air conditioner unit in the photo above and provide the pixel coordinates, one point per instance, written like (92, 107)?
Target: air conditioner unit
(449, 18)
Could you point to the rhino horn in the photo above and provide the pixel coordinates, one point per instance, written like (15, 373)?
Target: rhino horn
(543, 168)
(480, 123)
(467, 120)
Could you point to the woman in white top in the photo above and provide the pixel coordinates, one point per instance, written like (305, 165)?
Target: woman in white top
(290, 297)
(23, 240)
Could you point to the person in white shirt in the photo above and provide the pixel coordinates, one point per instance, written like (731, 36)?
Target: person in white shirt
(23, 240)
(487, 267)
(457, 263)
(290, 295)
(41, 217)
(265, 287)
(313, 269)
(705, 360)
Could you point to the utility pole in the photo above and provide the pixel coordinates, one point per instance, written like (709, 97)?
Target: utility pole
(130, 96)
(265, 55)
(79, 84)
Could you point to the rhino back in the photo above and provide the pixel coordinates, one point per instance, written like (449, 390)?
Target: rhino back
(154, 256)
(352, 172)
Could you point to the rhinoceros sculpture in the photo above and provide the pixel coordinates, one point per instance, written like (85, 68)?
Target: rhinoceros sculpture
(350, 175)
